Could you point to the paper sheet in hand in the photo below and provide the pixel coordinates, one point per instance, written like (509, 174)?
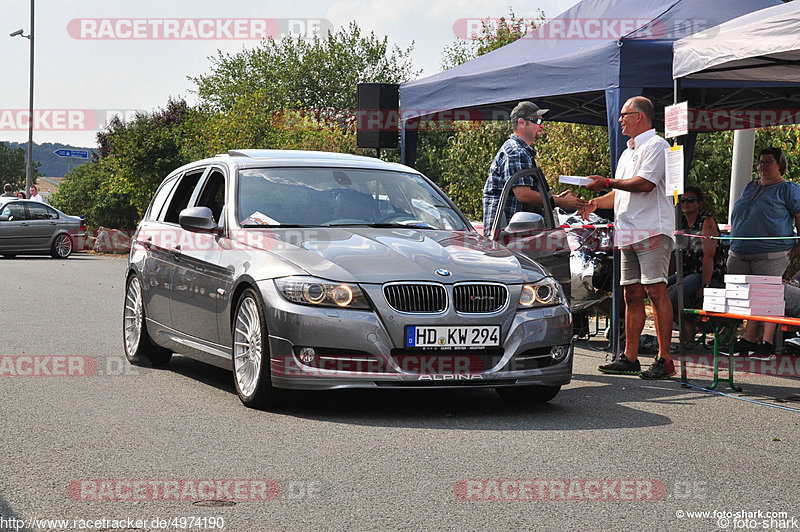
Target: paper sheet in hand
(574, 180)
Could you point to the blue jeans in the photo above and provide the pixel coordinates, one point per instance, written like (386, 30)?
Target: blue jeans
(691, 284)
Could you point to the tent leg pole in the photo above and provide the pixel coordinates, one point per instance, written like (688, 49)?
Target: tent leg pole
(679, 245)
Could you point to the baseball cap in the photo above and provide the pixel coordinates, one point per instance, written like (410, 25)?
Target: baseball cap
(527, 109)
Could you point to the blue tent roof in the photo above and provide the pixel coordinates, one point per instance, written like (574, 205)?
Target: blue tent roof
(582, 65)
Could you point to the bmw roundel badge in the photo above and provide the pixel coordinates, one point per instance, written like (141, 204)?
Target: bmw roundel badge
(442, 272)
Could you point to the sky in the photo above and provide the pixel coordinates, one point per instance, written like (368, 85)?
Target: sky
(82, 76)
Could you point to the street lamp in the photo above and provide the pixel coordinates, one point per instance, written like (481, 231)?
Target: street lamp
(29, 167)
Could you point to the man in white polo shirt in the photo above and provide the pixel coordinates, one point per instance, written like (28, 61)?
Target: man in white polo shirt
(644, 225)
(35, 196)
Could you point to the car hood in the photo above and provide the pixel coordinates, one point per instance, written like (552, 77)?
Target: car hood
(370, 255)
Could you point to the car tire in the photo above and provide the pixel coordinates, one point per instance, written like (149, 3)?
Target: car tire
(139, 347)
(250, 349)
(528, 394)
(62, 246)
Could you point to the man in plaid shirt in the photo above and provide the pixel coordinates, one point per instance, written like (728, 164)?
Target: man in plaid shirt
(514, 155)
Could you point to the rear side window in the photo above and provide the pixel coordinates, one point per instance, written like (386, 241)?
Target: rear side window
(182, 195)
(37, 211)
(160, 198)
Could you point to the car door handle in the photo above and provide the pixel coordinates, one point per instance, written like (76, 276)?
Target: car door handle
(562, 253)
(23, 224)
(176, 251)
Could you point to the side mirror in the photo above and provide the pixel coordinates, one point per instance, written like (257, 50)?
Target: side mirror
(3, 218)
(198, 220)
(525, 222)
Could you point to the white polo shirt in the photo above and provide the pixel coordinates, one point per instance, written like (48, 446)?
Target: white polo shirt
(640, 215)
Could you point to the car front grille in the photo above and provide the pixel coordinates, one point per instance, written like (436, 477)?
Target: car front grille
(479, 298)
(416, 297)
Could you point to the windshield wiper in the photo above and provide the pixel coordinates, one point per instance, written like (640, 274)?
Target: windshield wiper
(420, 225)
(278, 226)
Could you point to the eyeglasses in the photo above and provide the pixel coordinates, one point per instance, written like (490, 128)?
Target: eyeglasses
(622, 115)
(688, 200)
(538, 120)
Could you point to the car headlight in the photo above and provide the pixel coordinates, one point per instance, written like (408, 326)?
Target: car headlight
(544, 293)
(321, 293)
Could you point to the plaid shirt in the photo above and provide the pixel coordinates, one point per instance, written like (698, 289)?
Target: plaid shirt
(514, 155)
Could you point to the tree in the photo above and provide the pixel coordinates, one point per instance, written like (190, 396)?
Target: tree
(139, 154)
(491, 37)
(320, 75)
(133, 159)
(87, 191)
(12, 167)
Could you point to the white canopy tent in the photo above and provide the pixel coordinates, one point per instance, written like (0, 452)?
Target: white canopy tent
(760, 49)
(761, 46)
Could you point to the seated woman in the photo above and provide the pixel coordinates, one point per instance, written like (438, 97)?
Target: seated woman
(703, 258)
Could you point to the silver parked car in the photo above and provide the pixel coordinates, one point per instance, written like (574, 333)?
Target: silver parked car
(306, 270)
(30, 227)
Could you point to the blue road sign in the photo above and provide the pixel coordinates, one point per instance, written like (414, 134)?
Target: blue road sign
(75, 154)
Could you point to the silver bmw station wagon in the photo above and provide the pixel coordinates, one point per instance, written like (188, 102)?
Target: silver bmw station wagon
(306, 270)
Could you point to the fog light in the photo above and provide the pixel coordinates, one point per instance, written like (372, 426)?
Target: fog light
(558, 352)
(307, 356)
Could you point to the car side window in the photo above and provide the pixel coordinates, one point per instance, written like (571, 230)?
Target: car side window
(14, 211)
(160, 198)
(213, 194)
(182, 195)
(37, 211)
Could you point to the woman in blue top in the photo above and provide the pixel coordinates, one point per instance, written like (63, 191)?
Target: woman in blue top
(768, 207)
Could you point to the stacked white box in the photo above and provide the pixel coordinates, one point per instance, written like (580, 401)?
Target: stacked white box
(754, 295)
(749, 295)
(714, 300)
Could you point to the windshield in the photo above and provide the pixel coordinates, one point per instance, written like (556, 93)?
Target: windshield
(341, 197)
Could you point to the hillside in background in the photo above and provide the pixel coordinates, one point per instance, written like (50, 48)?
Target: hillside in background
(52, 164)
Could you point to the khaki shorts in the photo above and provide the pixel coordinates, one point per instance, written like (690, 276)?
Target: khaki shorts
(774, 263)
(646, 262)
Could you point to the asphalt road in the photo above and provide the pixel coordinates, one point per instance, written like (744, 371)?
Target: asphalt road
(614, 453)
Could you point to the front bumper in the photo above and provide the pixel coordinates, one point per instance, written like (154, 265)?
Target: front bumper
(364, 348)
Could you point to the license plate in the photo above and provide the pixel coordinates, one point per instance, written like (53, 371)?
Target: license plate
(476, 336)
